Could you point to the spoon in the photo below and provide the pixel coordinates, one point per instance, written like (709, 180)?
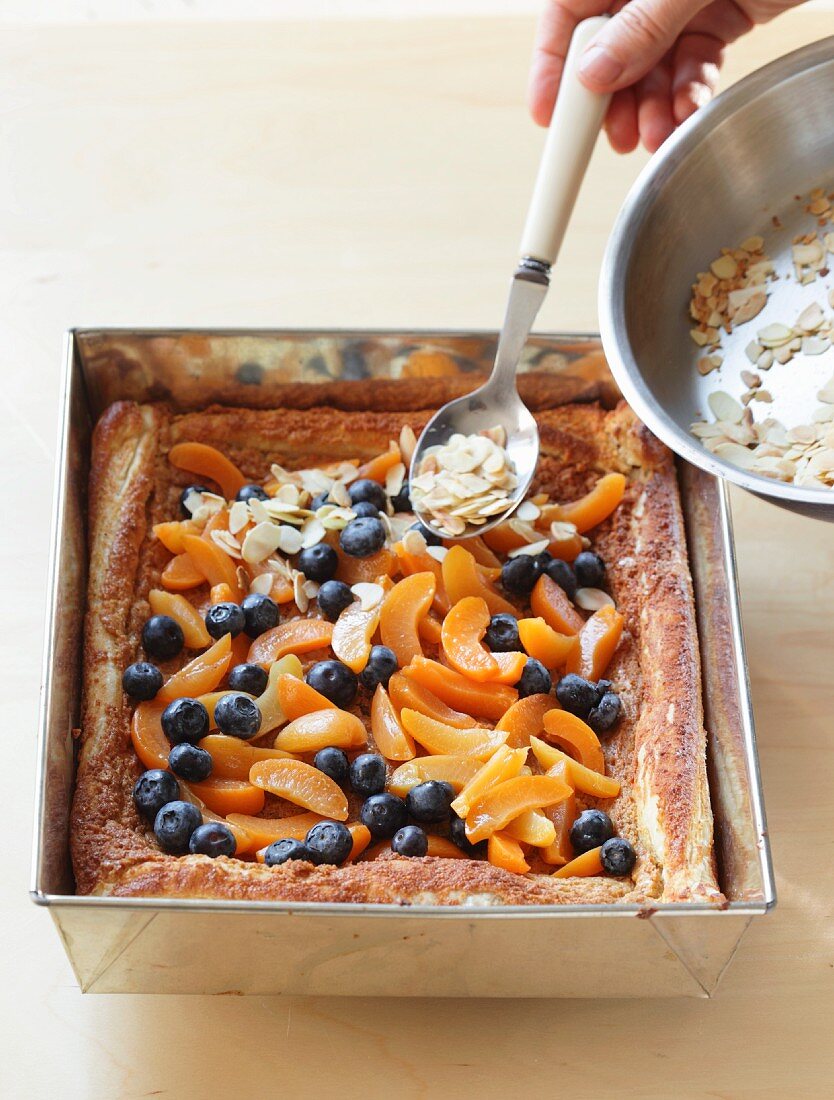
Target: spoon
(571, 137)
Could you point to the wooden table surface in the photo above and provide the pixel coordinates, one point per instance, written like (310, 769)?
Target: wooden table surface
(358, 174)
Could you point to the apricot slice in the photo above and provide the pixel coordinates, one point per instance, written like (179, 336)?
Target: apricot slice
(461, 634)
(576, 738)
(149, 742)
(430, 630)
(281, 589)
(510, 667)
(314, 731)
(504, 764)
(448, 741)
(562, 817)
(269, 703)
(170, 534)
(598, 639)
(591, 509)
(567, 547)
(488, 701)
(550, 603)
(505, 852)
(461, 578)
(525, 718)
(301, 784)
(532, 828)
(297, 698)
(183, 612)
(479, 550)
(352, 634)
(229, 796)
(244, 842)
(232, 758)
(544, 643)
(405, 692)
(411, 563)
(391, 739)
(202, 674)
(503, 538)
(200, 458)
(216, 566)
(263, 830)
(405, 605)
(181, 574)
(361, 836)
(497, 808)
(294, 636)
(353, 570)
(580, 778)
(442, 848)
(454, 770)
(217, 522)
(378, 467)
(220, 593)
(584, 866)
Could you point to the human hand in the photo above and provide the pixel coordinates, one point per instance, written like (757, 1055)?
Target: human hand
(660, 58)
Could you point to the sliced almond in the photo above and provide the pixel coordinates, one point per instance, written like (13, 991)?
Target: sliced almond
(528, 512)
(437, 552)
(774, 335)
(815, 345)
(725, 267)
(262, 584)
(531, 548)
(724, 407)
(261, 540)
(369, 595)
(592, 599)
(408, 444)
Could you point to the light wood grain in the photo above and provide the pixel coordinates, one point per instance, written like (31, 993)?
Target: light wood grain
(358, 174)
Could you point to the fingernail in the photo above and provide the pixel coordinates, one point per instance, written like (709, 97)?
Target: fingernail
(599, 66)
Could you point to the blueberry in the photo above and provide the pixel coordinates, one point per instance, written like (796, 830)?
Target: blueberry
(365, 489)
(319, 501)
(249, 678)
(252, 492)
(590, 569)
(237, 715)
(605, 715)
(260, 614)
(367, 774)
(152, 790)
(289, 848)
(213, 839)
(431, 538)
(225, 618)
(333, 598)
(576, 695)
(429, 802)
(333, 762)
(410, 841)
(185, 720)
(519, 574)
(383, 814)
(174, 824)
(184, 496)
(381, 666)
(334, 681)
(590, 829)
(363, 509)
(401, 502)
(162, 637)
(362, 537)
(141, 680)
(617, 856)
(457, 834)
(502, 634)
(535, 679)
(189, 762)
(330, 841)
(318, 563)
(562, 573)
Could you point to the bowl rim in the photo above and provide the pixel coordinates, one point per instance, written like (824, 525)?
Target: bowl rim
(627, 225)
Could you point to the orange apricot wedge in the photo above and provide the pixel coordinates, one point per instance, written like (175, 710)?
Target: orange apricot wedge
(214, 564)
(232, 758)
(405, 692)
(461, 634)
(487, 701)
(444, 740)
(591, 509)
(504, 764)
(562, 817)
(506, 852)
(269, 703)
(301, 784)
(297, 698)
(550, 603)
(353, 570)
(264, 830)
(510, 667)
(576, 738)
(229, 796)
(503, 538)
(454, 770)
(149, 742)
(245, 845)
(565, 543)
(430, 630)
(479, 550)
(294, 636)
(200, 458)
(497, 808)
(443, 848)
(220, 593)
(405, 605)
(525, 718)
(201, 675)
(320, 728)
(361, 837)
(598, 640)
(390, 737)
(532, 828)
(544, 643)
(580, 778)
(377, 468)
(170, 534)
(411, 562)
(184, 612)
(352, 634)
(584, 866)
(461, 578)
(181, 574)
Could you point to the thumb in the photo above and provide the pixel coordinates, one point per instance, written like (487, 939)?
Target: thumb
(633, 41)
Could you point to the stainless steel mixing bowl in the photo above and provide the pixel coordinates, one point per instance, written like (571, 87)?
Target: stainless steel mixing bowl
(724, 176)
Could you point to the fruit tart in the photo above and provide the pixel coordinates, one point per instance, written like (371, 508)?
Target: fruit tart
(294, 690)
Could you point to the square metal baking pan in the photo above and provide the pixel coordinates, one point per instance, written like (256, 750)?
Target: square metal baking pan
(191, 945)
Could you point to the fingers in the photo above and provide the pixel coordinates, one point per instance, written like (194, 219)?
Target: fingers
(621, 121)
(697, 60)
(655, 118)
(553, 33)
